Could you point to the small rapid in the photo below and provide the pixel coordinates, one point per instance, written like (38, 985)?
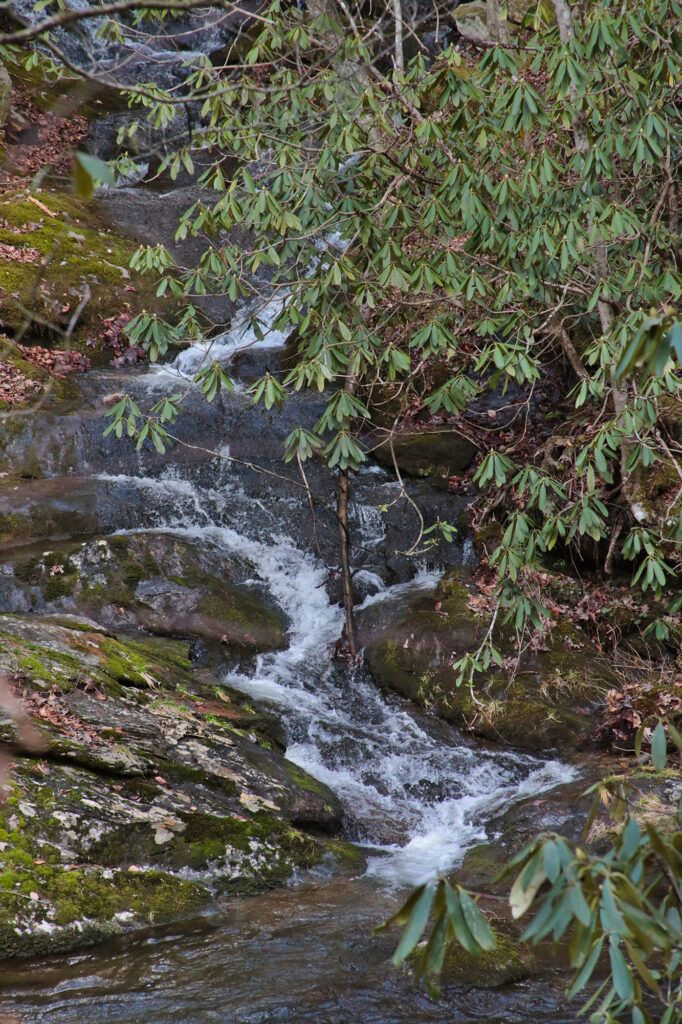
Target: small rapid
(415, 793)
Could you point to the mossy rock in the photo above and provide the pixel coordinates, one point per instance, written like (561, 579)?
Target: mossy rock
(160, 582)
(73, 251)
(66, 653)
(76, 909)
(48, 390)
(86, 855)
(548, 703)
(508, 962)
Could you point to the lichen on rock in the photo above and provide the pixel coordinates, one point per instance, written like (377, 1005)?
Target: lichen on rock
(140, 791)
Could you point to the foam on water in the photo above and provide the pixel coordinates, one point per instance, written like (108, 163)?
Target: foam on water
(415, 795)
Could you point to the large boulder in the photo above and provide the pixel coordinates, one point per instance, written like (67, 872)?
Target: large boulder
(149, 793)
(546, 701)
(161, 582)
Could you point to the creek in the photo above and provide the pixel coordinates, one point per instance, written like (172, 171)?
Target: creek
(416, 793)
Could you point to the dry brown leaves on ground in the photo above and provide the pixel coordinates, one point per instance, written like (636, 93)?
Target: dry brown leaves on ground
(19, 254)
(15, 387)
(634, 705)
(55, 361)
(40, 138)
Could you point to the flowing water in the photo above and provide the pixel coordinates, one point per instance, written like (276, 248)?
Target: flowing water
(416, 794)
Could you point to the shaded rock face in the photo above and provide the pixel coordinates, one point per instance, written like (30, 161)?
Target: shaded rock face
(548, 703)
(155, 581)
(435, 455)
(152, 217)
(150, 794)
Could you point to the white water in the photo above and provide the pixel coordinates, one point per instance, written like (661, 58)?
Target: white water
(416, 796)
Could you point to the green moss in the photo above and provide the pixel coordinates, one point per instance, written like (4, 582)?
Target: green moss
(307, 782)
(548, 702)
(81, 905)
(509, 961)
(77, 248)
(110, 662)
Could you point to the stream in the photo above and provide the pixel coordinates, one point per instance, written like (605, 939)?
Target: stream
(416, 795)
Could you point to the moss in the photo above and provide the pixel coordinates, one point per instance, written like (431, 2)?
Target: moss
(347, 856)
(547, 703)
(307, 782)
(77, 249)
(13, 525)
(509, 961)
(143, 663)
(481, 866)
(67, 655)
(79, 907)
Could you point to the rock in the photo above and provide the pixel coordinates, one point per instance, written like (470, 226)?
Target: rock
(471, 19)
(151, 217)
(510, 961)
(74, 255)
(160, 582)
(471, 23)
(436, 454)
(145, 802)
(60, 508)
(550, 701)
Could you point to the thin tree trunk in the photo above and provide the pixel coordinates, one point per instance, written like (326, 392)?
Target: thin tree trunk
(564, 19)
(346, 577)
(398, 59)
(571, 354)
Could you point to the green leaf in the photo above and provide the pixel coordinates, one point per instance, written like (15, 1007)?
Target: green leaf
(476, 922)
(418, 919)
(659, 747)
(88, 171)
(459, 926)
(587, 970)
(611, 917)
(622, 975)
(580, 905)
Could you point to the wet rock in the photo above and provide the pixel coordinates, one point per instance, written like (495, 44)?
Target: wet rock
(549, 701)
(510, 961)
(61, 508)
(160, 582)
(151, 218)
(142, 790)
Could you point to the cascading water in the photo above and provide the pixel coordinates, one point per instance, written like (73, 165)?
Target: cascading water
(418, 797)
(416, 793)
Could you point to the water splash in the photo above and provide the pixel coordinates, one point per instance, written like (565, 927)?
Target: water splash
(416, 795)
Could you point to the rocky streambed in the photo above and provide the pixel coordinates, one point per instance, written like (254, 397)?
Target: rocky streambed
(170, 627)
(209, 814)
